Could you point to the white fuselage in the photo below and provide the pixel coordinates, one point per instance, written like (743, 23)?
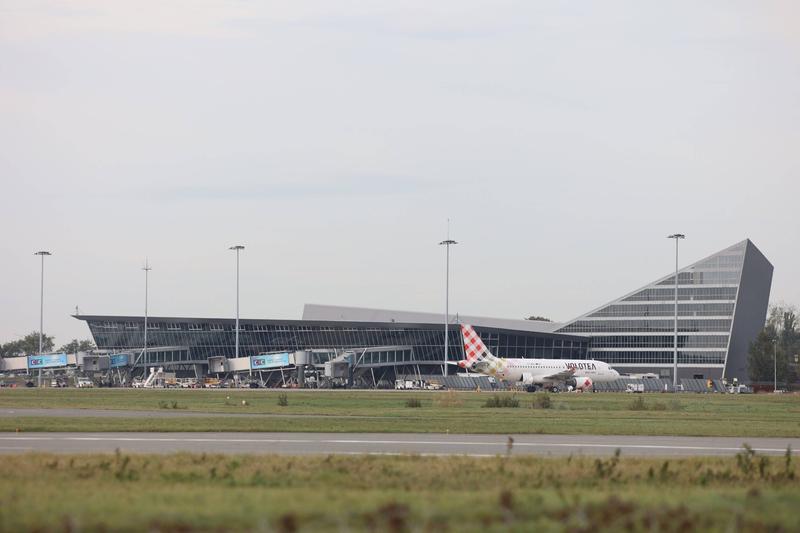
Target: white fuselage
(541, 371)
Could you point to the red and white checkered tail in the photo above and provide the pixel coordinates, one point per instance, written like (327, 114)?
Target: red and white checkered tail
(474, 349)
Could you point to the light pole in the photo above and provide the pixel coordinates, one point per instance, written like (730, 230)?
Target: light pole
(446, 244)
(238, 248)
(775, 365)
(147, 268)
(677, 237)
(41, 253)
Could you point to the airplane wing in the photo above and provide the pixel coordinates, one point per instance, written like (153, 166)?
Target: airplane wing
(560, 376)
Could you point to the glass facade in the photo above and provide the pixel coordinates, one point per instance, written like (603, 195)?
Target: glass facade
(637, 329)
(193, 341)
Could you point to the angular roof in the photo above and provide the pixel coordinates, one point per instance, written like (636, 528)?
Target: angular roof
(668, 280)
(366, 314)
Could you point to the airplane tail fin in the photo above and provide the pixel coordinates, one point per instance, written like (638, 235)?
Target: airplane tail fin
(474, 349)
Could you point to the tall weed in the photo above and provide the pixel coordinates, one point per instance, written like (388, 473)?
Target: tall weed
(502, 401)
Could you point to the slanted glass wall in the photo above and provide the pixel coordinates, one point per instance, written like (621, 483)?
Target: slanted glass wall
(638, 328)
(209, 337)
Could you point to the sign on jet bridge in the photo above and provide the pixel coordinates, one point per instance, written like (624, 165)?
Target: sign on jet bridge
(270, 360)
(116, 360)
(47, 361)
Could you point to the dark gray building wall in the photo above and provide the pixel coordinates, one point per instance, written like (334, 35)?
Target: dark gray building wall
(751, 311)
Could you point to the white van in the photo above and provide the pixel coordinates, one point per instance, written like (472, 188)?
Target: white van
(84, 383)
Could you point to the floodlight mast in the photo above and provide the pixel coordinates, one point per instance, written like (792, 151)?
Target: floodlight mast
(147, 268)
(42, 254)
(237, 248)
(141, 357)
(775, 364)
(447, 243)
(677, 237)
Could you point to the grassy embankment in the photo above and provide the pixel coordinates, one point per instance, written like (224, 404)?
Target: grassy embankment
(187, 492)
(370, 411)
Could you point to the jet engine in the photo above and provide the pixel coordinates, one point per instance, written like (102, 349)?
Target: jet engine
(580, 383)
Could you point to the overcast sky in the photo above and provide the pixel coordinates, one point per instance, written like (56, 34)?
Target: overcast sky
(565, 140)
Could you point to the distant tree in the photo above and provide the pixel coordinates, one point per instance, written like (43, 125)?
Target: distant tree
(789, 331)
(77, 346)
(784, 318)
(29, 344)
(761, 357)
(10, 349)
(782, 326)
(539, 318)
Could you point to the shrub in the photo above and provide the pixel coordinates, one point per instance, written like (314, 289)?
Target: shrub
(502, 401)
(605, 469)
(542, 401)
(638, 404)
(788, 471)
(413, 402)
(283, 399)
(745, 459)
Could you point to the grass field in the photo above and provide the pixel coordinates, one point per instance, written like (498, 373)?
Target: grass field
(374, 411)
(405, 493)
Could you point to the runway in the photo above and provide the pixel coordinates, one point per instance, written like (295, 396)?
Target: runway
(388, 443)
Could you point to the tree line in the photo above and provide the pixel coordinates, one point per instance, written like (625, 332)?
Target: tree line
(29, 344)
(778, 341)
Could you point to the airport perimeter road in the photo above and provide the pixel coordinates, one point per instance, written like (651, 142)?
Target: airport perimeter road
(385, 443)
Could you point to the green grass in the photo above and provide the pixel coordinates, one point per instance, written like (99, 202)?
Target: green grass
(400, 493)
(371, 411)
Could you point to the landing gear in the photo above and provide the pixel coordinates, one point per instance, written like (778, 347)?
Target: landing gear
(555, 388)
(531, 388)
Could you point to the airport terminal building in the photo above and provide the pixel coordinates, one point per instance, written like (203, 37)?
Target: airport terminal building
(385, 349)
(722, 305)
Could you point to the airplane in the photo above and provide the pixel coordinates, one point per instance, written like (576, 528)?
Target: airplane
(575, 374)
